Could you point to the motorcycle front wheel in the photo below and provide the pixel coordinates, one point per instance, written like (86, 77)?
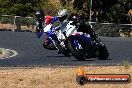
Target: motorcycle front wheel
(76, 48)
(60, 48)
(48, 44)
(50, 47)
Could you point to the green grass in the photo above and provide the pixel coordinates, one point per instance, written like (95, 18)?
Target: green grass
(126, 63)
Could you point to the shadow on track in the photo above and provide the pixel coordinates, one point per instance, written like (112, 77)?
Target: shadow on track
(54, 56)
(93, 60)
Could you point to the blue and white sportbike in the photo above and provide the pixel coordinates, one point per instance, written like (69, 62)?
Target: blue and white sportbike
(81, 44)
(53, 35)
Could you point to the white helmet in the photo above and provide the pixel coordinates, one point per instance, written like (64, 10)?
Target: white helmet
(63, 12)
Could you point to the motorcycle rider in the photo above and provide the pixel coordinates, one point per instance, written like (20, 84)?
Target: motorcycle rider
(63, 19)
(42, 22)
(63, 15)
(82, 26)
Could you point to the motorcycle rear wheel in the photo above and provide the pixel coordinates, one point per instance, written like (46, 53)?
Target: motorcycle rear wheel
(103, 53)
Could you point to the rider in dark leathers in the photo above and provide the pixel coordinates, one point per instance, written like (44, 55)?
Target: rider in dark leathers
(81, 24)
(42, 22)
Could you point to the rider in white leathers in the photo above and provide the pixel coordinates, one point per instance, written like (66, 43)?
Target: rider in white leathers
(63, 17)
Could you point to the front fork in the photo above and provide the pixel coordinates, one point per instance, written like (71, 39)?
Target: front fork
(76, 43)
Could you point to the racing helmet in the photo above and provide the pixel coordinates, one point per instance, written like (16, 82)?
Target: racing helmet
(63, 14)
(40, 15)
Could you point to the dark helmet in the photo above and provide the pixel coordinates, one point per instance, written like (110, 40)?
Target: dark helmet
(40, 14)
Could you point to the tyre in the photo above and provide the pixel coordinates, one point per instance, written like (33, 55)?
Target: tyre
(60, 48)
(78, 53)
(50, 46)
(103, 53)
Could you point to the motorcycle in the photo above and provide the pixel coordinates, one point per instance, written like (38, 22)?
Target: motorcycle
(47, 44)
(82, 45)
(53, 35)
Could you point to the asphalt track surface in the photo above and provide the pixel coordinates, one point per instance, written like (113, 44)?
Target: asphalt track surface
(31, 52)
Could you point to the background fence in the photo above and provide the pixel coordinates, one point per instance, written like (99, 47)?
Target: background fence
(17, 23)
(113, 30)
